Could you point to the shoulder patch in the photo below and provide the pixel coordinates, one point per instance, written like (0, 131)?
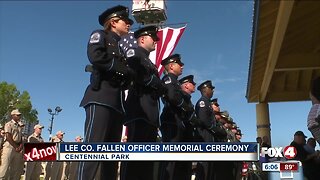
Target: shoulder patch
(95, 38)
(202, 104)
(167, 80)
(130, 53)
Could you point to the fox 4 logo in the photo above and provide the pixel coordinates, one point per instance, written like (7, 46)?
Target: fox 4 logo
(288, 152)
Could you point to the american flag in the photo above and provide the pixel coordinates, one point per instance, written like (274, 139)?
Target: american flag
(169, 38)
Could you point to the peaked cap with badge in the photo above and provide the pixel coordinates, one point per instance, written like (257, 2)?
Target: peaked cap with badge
(175, 58)
(215, 101)
(187, 79)
(147, 31)
(207, 83)
(119, 11)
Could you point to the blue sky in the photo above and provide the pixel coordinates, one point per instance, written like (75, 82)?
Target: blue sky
(43, 51)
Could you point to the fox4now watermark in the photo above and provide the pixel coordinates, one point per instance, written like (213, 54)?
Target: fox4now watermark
(289, 152)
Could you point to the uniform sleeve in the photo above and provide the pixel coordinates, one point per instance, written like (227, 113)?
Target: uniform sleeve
(174, 97)
(8, 128)
(144, 75)
(98, 53)
(202, 114)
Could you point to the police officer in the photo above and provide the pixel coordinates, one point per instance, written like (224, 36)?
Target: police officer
(207, 120)
(104, 96)
(34, 169)
(11, 159)
(142, 103)
(226, 169)
(183, 169)
(173, 115)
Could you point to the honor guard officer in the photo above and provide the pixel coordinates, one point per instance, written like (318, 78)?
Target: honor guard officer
(183, 169)
(173, 101)
(104, 96)
(142, 103)
(174, 106)
(207, 122)
(11, 158)
(189, 120)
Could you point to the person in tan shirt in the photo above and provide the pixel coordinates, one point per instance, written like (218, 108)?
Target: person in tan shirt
(57, 170)
(73, 167)
(11, 158)
(34, 169)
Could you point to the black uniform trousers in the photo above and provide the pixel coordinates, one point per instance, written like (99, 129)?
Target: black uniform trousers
(139, 131)
(176, 170)
(103, 124)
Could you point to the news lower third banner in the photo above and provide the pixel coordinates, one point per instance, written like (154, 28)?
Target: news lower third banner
(141, 151)
(157, 152)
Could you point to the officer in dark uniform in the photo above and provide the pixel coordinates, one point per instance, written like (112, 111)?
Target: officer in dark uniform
(189, 120)
(207, 121)
(104, 96)
(172, 116)
(142, 103)
(225, 169)
(183, 169)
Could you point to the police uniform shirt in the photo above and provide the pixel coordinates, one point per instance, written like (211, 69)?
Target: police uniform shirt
(142, 101)
(174, 100)
(15, 130)
(205, 113)
(33, 138)
(187, 99)
(103, 53)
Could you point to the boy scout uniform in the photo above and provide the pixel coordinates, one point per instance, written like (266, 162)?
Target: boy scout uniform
(34, 169)
(12, 161)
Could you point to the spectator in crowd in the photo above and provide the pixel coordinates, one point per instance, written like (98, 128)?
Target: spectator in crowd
(310, 146)
(34, 169)
(307, 159)
(265, 142)
(313, 121)
(259, 140)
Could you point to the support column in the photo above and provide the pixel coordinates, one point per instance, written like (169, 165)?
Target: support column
(263, 120)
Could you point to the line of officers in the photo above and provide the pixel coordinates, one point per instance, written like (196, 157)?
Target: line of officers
(11, 152)
(108, 108)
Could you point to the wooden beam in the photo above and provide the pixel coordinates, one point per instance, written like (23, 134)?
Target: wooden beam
(288, 96)
(285, 9)
(299, 61)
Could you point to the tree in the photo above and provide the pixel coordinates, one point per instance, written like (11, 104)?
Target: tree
(11, 98)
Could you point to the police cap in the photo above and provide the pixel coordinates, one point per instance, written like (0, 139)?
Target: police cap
(119, 11)
(239, 132)
(174, 58)
(187, 79)
(215, 101)
(147, 31)
(207, 83)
